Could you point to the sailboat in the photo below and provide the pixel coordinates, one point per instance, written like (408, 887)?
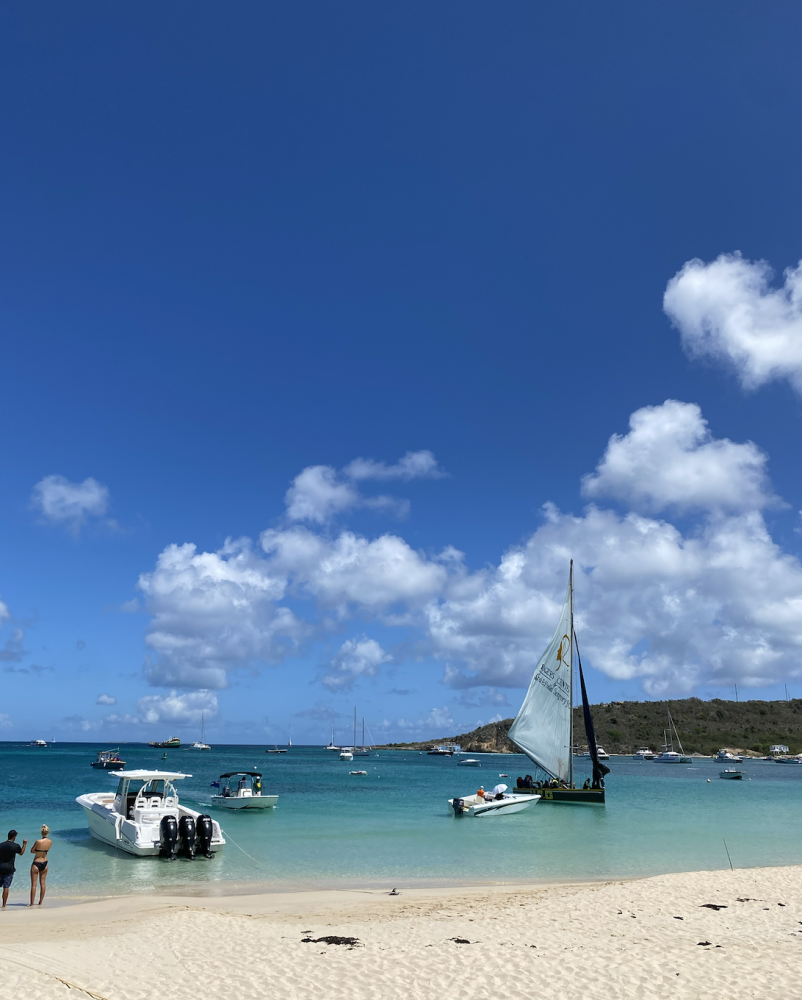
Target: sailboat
(669, 755)
(362, 751)
(332, 745)
(544, 727)
(201, 744)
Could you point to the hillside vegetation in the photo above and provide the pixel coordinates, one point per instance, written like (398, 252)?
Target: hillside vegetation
(625, 726)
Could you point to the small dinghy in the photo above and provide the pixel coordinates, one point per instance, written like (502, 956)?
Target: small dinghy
(469, 762)
(357, 772)
(731, 773)
(491, 803)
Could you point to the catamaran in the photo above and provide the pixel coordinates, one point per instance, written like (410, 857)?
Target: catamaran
(669, 755)
(544, 727)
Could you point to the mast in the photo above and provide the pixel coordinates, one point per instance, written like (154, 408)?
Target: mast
(354, 727)
(571, 739)
(363, 732)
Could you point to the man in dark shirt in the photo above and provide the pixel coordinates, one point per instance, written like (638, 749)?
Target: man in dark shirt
(8, 855)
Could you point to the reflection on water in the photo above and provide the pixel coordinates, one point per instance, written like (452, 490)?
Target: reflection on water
(392, 826)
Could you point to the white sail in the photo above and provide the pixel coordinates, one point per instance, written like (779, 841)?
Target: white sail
(542, 728)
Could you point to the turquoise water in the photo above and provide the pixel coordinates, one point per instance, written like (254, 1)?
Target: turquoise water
(332, 829)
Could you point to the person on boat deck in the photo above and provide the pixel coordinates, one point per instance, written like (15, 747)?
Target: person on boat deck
(587, 783)
(8, 854)
(241, 784)
(481, 792)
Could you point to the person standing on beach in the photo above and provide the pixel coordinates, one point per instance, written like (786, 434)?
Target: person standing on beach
(39, 863)
(8, 855)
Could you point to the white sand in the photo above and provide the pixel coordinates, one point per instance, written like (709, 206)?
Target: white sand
(602, 940)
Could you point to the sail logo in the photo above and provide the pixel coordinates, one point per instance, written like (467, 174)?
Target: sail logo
(564, 652)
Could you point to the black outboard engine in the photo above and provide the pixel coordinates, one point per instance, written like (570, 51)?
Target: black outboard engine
(458, 805)
(204, 831)
(169, 834)
(186, 827)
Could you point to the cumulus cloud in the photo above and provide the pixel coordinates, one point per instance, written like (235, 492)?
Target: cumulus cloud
(181, 709)
(670, 459)
(414, 465)
(320, 492)
(713, 602)
(70, 504)
(438, 721)
(12, 651)
(211, 610)
(356, 658)
(728, 311)
(106, 699)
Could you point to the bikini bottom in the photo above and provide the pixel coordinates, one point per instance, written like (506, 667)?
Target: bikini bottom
(41, 865)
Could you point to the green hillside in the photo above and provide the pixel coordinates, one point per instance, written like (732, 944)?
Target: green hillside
(625, 726)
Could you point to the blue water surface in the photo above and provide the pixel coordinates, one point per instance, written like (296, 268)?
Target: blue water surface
(391, 827)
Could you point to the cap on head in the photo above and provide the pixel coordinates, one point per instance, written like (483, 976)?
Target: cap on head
(12, 834)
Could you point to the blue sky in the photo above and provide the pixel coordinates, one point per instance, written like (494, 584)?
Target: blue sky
(240, 244)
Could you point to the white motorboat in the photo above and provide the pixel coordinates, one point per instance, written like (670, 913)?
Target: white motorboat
(491, 804)
(730, 772)
(108, 760)
(276, 750)
(643, 754)
(201, 744)
(246, 795)
(38, 743)
(345, 754)
(357, 772)
(469, 762)
(728, 757)
(144, 817)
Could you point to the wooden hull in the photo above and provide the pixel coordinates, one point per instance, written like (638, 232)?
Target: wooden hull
(588, 796)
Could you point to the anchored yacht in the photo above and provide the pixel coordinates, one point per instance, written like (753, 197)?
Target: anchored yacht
(144, 817)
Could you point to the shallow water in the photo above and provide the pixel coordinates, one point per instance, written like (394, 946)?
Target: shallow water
(391, 827)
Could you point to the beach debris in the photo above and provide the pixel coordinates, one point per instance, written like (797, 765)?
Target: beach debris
(394, 892)
(747, 899)
(781, 904)
(352, 942)
(460, 940)
(679, 918)
(704, 943)
(712, 906)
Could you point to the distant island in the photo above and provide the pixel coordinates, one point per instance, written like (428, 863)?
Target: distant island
(626, 726)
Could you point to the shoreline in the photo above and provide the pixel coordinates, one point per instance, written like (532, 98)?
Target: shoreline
(688, 936)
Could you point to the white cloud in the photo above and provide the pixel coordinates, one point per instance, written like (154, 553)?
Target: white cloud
(177, 708)
(727, 310)
(355, 658)
(106, 699)
(350, 570)
(212, 610)
(414, 465)
(319, 492)
(438, 723)
(70, 504)
(12, 651)
(669, 459)
(5, 721)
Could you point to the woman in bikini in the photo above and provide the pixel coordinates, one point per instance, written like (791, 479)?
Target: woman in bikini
(39, 865)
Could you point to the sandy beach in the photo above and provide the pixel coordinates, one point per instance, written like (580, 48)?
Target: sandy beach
(652, 937)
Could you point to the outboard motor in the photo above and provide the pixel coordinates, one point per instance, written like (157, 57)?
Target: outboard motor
(169, 834)
(186, 827)
(458, 805)
(204, 832)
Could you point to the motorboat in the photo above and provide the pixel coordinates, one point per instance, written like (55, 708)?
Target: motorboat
(172, 743)
(444, 750)
(38, 743)
(601, 753)
(491, 804)
(246, 795)
(108, 760)
(275, 750)
(144, 817)
(345, 754)
(357, 772)
(201, 744)
(730, 772)
(643, 754)
(728, 756)
(469, 762)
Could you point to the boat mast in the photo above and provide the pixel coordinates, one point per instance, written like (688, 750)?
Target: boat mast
(363, 732)
(571, 741)
(354, 727)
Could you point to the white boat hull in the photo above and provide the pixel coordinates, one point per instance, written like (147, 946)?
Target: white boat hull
(244, 802)
(140, 839)
(475, 805)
